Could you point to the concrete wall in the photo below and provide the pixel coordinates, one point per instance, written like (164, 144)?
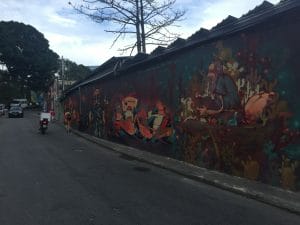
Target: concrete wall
(230, 105)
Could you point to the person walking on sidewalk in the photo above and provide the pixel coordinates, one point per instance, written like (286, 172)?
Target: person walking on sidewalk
(68, 118)
(52, 114)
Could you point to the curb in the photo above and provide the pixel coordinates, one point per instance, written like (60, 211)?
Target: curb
(273, 196)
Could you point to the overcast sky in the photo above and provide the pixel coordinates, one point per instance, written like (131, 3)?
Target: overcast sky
(84, 42)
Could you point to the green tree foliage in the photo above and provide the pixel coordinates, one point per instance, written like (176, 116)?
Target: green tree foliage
(8, 89)
(25, 52)
(73, 71)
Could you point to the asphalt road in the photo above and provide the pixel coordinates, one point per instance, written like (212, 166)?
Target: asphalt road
(59, 178)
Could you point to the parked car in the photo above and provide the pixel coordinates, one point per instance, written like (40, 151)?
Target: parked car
(14, 103)
(15, 111)
(2, 109)
(21, 102)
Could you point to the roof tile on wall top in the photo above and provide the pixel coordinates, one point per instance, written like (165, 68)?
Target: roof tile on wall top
(284, 1)
(101, 71)
(136, 59)
(229, 24)
(226, 22)
(200, 34)
(107, 65)
(259, 9)
(288, 2)
(179, 42)
(157, 51)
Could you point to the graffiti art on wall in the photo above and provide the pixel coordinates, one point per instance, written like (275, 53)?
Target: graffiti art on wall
(148, 125)
(96, 114)
(222, 106)
(237, 120)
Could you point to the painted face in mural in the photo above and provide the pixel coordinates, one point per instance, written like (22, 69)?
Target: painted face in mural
(129, 104)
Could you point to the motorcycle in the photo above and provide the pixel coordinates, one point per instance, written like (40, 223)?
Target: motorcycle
(44, 125)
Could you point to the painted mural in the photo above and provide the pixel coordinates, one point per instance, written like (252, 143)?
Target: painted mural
(230, 106)
(236, 121)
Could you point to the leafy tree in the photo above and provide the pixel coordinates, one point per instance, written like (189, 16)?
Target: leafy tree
(25, 53)
(7, 89)
(148, 20)
(73, 71)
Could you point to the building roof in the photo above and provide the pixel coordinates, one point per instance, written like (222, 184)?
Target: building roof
(108, 67)
(200, 33)
(228, 26)
(226, 22)
(179, 42)
(259, 9)
(158, 50)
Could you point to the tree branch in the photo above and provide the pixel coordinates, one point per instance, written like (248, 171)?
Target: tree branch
(148, 19)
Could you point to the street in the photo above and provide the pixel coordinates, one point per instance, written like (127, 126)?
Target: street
(59, 178)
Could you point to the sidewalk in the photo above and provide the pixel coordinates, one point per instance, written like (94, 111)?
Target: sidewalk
(274, 196)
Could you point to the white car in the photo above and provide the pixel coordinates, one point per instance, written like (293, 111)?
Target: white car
(2, 109)
(19, 102)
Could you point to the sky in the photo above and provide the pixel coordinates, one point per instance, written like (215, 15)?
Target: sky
(83, 41)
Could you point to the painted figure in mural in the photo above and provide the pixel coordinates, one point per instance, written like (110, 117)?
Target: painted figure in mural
(142, 125)
(152, 125)
(256, 106)
(251, 168)
(187, 111)
(287, 170)
(97, 115)
(159, 121)
(117, 118)
(125, 116)
(222, 93)
(129, 105)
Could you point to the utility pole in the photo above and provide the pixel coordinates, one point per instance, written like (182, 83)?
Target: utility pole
(142, 22)
(137, 25)
(62, 73)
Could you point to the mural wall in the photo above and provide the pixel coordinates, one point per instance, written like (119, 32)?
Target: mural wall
(230, 105)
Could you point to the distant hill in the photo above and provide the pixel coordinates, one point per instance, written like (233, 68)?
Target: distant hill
(92, 67)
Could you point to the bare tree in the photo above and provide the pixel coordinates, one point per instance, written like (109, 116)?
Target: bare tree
(148, 20)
